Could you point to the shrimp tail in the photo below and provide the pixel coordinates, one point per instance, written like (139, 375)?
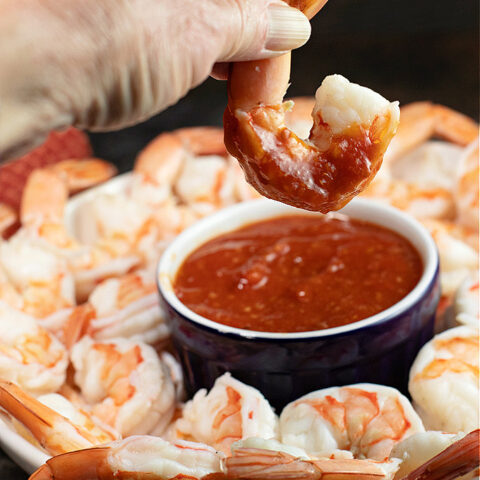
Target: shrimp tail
(458, 459)
(88, 464)
(53, 431)
(259, 464)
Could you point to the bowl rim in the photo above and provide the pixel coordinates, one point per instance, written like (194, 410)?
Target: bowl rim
(164, 279)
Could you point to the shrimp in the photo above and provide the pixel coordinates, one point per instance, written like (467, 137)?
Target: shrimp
(467, 187)
(43, 281)
(419, 448)
(135, 457)
(80, 174)
(423, 120)
(457, 247)
(8, 218)
(54, 422)
(30, 356)
(467, 301)
(124, 307)
(171, 165)
(361, 421)
(419, 175)
(352, 129)
(444, 381)
(124, 384)
(271, 460)
(42, 212)
(229, 412)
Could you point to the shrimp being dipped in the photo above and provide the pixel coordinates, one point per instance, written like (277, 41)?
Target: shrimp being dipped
(352, 129)
(444, 381)
(361, 421)
(54, 422)
(229, 412)
(124, 384)
(136, 457)
(419, 448)
(30, 356)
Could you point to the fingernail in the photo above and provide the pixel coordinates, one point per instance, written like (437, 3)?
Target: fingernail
(288, 28)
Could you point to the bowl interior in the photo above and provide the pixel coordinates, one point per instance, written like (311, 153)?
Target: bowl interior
(243, 214)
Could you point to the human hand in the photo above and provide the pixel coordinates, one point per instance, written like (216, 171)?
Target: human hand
(105, 64)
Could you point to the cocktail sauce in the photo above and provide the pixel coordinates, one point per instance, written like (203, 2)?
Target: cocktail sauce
(298, 273)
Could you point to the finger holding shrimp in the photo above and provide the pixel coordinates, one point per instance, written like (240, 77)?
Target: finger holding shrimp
(352, 129)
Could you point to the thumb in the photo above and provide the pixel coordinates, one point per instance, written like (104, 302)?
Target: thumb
(254, 29)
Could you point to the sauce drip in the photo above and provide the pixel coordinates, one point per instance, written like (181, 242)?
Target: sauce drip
(298, 273)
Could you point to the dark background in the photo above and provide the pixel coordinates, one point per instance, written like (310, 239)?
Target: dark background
(406, 50)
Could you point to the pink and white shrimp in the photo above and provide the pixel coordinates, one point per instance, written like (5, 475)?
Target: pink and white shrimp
(52, 422)
(467, 187)
(467, 308)
(263, 460)
(124, 384)
(42, 217)
(458, 250)
(30, 356)
(361, 421)
(80, 174)
(229, 412)
(419, 448)
(444, 381)
(136, 457)
(125, 307)
(43, 280)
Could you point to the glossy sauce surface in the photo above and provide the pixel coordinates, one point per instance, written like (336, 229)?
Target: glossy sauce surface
(298, 273)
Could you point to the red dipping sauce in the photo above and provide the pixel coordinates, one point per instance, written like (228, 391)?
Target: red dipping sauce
(298, 273)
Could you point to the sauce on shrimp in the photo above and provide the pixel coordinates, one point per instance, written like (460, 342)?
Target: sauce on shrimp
(298, 273)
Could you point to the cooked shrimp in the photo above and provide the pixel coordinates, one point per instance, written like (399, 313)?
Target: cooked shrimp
(352, 129)
(160, 164)
(229, 412)
(172, 164)
(29, 355)
(467, 301)
(424, 120)
(322, 173)
(419, 448)
(467, 188)
(267, 463)
(42, 280)
(444, 381)
(124, 307)
(125, 384)
(457, 247)
(362, 420)
(8, 217)
(418, 175)
(55, 423)
(80, 174)
(42, 213)
(135, 457)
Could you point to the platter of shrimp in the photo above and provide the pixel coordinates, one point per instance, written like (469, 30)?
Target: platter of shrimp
(91, 384)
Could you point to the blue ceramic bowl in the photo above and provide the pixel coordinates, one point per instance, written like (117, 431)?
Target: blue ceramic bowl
(284, 366)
